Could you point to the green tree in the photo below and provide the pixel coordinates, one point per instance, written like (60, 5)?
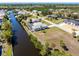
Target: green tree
(7, 34)
(44, 51)
(57, 52)
(62, 43)
(6, 25)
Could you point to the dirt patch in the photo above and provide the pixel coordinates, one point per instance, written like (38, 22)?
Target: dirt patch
(54, 35)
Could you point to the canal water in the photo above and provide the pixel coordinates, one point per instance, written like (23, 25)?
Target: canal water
(22, 45)
(0, 50)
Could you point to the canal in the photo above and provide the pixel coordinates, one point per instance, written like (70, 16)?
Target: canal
(22, 45)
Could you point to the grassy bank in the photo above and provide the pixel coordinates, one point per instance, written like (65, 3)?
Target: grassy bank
(35, 41)
(6, 35)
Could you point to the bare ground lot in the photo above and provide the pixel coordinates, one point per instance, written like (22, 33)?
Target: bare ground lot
(70, 28)
(54, 35)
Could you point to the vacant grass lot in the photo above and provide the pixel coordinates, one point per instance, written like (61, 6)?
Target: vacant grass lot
(45, 22)
(54, 35)
(56, 21)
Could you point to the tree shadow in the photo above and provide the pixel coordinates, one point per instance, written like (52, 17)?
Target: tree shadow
(14, 41)
(65, 48)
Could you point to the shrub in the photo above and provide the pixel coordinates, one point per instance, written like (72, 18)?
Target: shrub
(57, 52)
(43, 48)
(35, 41)
(62, 43)
(43, 31)
(43, 51)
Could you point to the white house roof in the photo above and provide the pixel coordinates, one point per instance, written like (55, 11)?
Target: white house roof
(21, 12)
(38, 25)
(2, 12)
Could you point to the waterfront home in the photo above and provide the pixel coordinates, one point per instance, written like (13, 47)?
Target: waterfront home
(2, 13)
(34, 20)
(37, 26)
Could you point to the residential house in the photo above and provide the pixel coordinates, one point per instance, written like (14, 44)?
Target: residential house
(52, 16)
(37, 26)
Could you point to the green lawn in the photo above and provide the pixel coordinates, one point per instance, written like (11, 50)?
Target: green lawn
(9, 51)
(56, 21)
(45, 22)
